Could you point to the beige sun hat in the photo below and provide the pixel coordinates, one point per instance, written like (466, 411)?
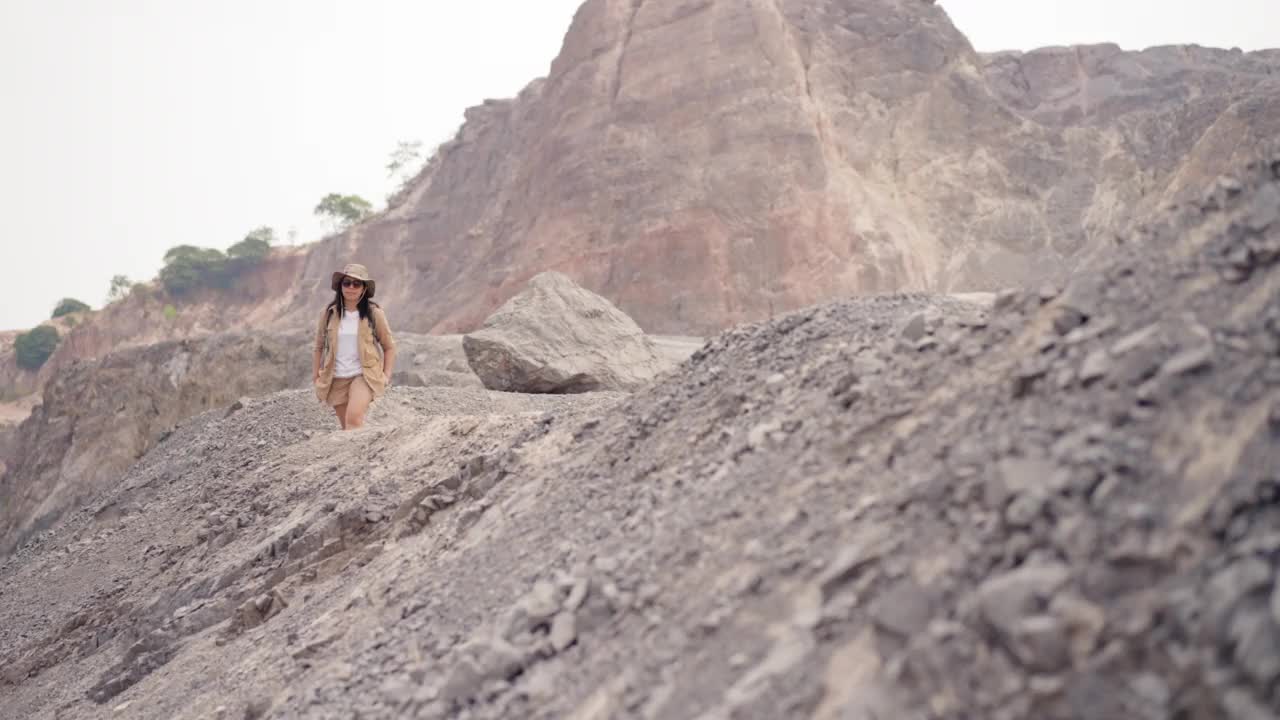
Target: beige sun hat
(354, 270)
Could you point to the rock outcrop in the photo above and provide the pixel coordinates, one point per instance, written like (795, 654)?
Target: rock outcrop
(555, 337)
(98, 418)
(705, 163)
(1063, 505)
(702, 163)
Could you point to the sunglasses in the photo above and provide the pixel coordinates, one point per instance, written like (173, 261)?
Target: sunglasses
(349, 283)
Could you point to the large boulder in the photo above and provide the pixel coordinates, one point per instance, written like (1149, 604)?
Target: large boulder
(556, 337)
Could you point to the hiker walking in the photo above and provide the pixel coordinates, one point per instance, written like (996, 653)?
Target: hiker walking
(354, 350)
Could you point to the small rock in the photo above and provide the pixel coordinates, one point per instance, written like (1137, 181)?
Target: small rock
(1005, 599)
(1024, 509)
(1257, 645)
(1096, 366)
(577, 594)
(926, 344)
(1084, 622)
(1264, 210)
(1135, 340)
(1152, 688)
(904, 610)
(1230, 585)
(1188, 361)
(1040, 643)
(1014, 476)
(564, 631)
(1240, 705)
(849, 564)
(1067, 319)
(1025, 377)
(914, 329)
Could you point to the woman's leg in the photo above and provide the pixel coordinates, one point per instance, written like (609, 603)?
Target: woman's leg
(358, 399)
(341, 412)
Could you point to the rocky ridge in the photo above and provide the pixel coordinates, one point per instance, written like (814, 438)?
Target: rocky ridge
(1064, 505)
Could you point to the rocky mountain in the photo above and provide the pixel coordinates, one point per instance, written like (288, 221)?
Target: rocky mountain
(1062, 505)
(704, 162)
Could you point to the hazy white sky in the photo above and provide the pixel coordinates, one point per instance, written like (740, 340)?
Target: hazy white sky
(131, 126)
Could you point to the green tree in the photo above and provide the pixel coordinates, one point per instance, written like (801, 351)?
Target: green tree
(250, 251)
(33, 348)
(120, 286)
(405, 156)
(66, 306)
(187, 267)
(254, 247)
(343, 211)
(264, 235)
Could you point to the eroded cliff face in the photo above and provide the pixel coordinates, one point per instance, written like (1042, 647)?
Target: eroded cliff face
(97, 418)
(705, 163)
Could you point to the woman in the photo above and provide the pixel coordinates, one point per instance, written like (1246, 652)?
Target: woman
(347, 369)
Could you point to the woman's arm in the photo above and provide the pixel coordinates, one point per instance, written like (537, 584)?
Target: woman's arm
(388, 343)
(318, 354)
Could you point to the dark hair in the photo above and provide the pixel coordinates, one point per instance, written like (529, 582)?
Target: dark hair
(363, 308)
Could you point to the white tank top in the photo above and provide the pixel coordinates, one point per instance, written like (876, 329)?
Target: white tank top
(347, 359)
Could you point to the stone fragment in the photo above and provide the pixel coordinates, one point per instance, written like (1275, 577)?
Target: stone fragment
(1096, 366)
(564, 631)
(1188, 361)
(1005, 599)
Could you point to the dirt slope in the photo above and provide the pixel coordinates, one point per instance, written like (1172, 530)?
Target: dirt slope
(889, 507)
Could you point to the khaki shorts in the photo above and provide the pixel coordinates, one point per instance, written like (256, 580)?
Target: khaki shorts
(340, 390)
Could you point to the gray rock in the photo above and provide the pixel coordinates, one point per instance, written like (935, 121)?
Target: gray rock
(1084, 622)
(1095, 367)
(407, 378)
(556, 337)
(1005, 599)
(1239, 704)
(851, 561)
(1016, 476)
(914, 329)
(1231, 585)
(564, 631)
(903, 610)
(1040, 643)
(1257, 644)
(1188, 361)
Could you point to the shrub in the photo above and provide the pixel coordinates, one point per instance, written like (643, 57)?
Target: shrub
(34, 347)
(250, 251)
(343, 211)
(188, 268)
(170, 313)
(66, 306)
(120, 286)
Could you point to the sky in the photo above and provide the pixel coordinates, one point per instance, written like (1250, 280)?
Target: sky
(132, 126)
